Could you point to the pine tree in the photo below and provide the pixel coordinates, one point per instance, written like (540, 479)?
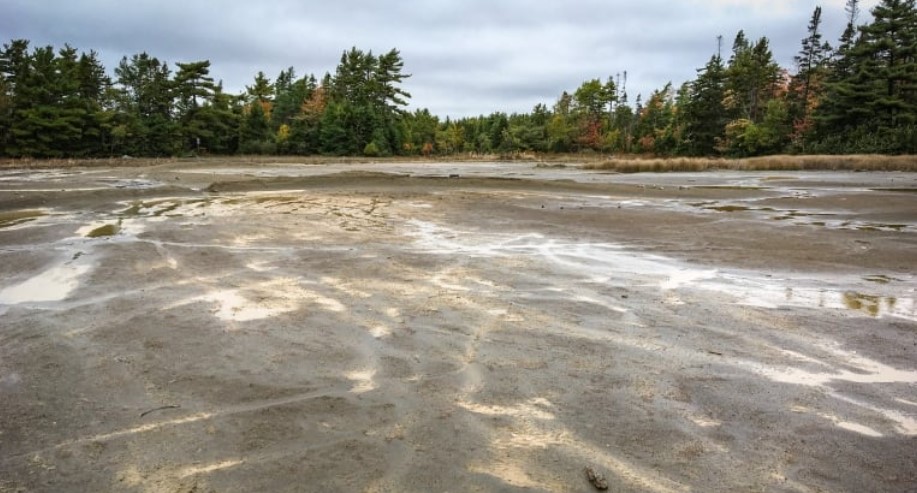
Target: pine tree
(254, 130)
(889, 55)
(193, 91)
(752, 78)
(261, 90)
(704, 116)
(807, 87)
(144, 123)
(871, 103)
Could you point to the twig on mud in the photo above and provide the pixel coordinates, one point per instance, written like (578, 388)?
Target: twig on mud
(160, 408)
(715, 353)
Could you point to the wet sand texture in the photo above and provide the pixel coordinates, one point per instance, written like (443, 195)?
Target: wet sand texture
(456, 327)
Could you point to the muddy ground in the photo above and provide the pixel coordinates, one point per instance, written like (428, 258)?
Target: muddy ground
(456, 327)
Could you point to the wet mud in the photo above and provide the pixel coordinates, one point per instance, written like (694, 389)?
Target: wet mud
(456, 327)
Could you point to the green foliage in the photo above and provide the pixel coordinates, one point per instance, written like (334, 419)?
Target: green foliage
(871, 94)
(371, 150)
(705, 117)
(860, 97)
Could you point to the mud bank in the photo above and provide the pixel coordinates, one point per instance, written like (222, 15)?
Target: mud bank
(456, 327)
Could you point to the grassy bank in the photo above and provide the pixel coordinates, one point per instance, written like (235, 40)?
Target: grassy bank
(620, 164)
(765, 163)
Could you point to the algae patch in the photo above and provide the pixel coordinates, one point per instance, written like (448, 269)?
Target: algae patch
(13, 218)
(103, 231)
(873, 305)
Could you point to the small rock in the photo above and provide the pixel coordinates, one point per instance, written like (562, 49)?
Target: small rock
(596, 478)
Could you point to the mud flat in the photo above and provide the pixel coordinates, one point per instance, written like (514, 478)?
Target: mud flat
(456, 327)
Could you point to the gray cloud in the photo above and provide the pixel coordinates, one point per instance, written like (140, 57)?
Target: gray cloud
(467, 57)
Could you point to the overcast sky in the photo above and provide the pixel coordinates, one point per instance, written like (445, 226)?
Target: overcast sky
(467, 57)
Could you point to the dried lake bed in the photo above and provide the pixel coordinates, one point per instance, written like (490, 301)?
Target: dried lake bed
(456, 327)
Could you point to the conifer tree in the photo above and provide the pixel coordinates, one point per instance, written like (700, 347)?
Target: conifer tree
(704, 116)
(808, 85)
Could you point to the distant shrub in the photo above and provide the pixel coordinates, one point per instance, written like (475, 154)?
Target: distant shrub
(258, 147)
(371, 150)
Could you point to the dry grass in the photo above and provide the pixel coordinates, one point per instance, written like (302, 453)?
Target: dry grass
(254, 160)
(620, 164)
(765, 163)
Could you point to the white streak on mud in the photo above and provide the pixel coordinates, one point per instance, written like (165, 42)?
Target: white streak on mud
(234, 306)
(53, 284)
(533, 408)
(362, 380)
(209, 468)
(865, 371)
(840, 423)
(605, 263)
(264, 300)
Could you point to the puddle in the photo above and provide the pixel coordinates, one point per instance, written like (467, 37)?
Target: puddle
(730, 187)
(881, 279)
(54, 284)
(15, 218)
(729, 208)
(606, 263)
(161, 207)
(895, 228)
(899, 190)
(131, 184)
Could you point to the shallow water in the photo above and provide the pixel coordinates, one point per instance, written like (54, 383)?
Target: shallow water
(53, 284)
(611, 263)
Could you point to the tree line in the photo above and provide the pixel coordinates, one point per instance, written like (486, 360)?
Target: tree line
(859, 96)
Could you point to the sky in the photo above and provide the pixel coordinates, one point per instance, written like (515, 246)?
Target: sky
(466, 57)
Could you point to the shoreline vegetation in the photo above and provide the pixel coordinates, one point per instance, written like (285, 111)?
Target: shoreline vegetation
(616, 164)
(857, 97)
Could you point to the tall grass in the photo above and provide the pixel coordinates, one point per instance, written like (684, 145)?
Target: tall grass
(860, 162)
(620, 164)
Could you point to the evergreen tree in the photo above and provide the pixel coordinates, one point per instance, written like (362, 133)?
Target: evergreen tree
(705, 117)
(255, 131)
(334, 136)
(93, 84)
(145, 124)
(807, 86)
(261, 90)
(305, 135)
(194, 91)
(871, 103)
(889, 54)
(752, 78)
(221, 118)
